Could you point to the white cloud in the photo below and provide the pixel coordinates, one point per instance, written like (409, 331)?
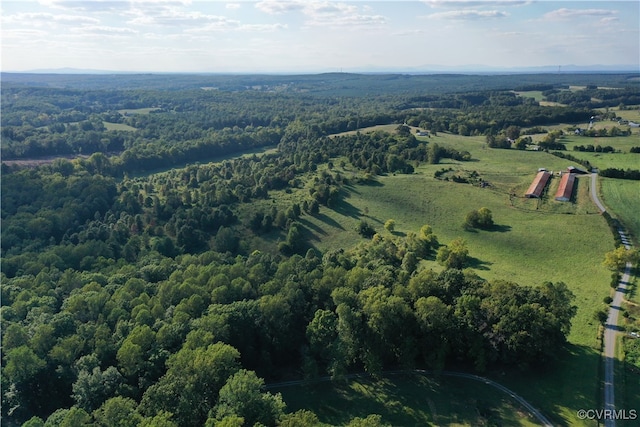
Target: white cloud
(28, 34)
(43, 18)
(105, 4)
(233, 25)
(609, 19)
(405, 33)
(103, 30)
(276, 7)
(215, 25)
(471, 3)
(262, 28)
(565, 13)
(327, 8)
(177, 18)
(469, 15)
(233, 6)
(85, 5)
(354, 21)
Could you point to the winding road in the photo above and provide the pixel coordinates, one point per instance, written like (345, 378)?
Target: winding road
(611, 326)
(532, 410)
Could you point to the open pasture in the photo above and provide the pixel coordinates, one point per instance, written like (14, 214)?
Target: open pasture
(535, 240)
(535, 94)
(128, 111)
(383, 128)
(631, 114)
(622, 199)
(118, 126)
(623, 159)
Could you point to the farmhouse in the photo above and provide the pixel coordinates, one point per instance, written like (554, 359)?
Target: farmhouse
(565, 189)
(538, 184)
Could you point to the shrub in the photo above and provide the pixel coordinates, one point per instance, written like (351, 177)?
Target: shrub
(482, 218)
(365, 229)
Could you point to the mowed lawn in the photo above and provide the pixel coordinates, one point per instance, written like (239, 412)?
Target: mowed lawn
(409, 400)
(534, 241)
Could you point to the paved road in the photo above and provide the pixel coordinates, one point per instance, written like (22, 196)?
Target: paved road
(611, 326)
(532, 410)
(610, 332)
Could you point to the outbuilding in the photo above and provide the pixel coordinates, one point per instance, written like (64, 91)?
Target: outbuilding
(565, 189)
(538, 184)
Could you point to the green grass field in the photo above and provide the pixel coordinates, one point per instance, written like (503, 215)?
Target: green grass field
(118, 126)
(383, 128)
(622, 197)
(624, 159)
(409, 400)
(535, 94)
(534, 241)
(630, 114)
(137, 110)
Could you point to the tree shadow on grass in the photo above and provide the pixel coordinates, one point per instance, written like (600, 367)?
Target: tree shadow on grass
(478, 264)
(309, 234)
(372, 183)
(494, 228)
(347, 209)
(312, 226)
(500, 228)
(559, 386)
(329, 221)
(350, 188)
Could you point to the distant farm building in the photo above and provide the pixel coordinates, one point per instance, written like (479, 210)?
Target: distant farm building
(573, 169)
(538, 184)
(565, 189)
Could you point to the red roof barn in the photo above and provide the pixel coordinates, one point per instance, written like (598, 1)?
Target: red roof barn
(565, 189)
(538, 184)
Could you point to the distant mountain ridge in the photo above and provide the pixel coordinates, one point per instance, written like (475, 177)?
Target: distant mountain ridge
(425, 69)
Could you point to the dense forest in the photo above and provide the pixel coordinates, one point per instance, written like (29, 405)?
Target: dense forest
(138, 298)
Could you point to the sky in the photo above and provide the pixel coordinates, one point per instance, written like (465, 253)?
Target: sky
(275, 36)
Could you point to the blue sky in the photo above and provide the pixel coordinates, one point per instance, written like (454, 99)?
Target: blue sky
(315, 36)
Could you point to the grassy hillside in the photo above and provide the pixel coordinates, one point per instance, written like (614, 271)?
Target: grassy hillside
(533, 241)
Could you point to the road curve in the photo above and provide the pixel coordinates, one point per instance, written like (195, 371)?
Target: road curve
(611, 326)
(532, 410)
